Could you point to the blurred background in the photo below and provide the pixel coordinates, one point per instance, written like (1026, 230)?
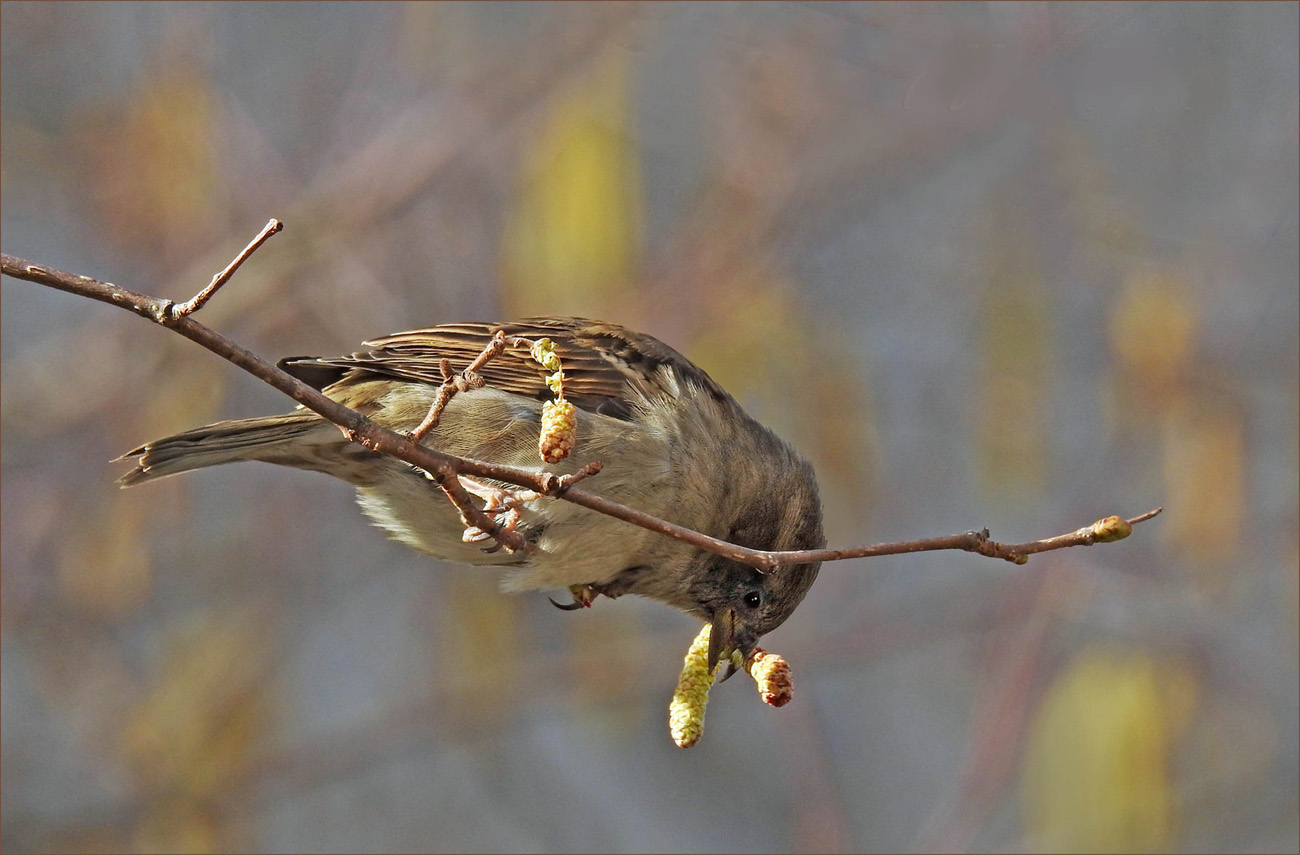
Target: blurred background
(1012, 265)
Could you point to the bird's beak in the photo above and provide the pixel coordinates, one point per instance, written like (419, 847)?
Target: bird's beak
(721, 637)
(726, 639)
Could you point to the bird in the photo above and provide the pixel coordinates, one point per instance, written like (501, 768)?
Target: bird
(672, 441)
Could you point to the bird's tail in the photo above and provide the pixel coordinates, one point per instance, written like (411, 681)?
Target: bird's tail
(301, 440)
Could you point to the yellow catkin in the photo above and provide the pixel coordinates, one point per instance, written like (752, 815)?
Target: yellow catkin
(686, 712)
(772, 674)
(559, 430)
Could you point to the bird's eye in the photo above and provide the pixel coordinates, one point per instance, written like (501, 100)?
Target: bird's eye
(752, 599)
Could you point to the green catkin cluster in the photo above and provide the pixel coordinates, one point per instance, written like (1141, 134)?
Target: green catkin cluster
(543, 350)
(559, 417)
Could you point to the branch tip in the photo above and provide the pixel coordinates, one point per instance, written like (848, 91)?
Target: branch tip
(1141, 518)
(174, 312)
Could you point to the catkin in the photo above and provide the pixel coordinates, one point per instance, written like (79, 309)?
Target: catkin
(559, 429)
(543, 350)
(772, 674)
(686, 711)
(559, 418)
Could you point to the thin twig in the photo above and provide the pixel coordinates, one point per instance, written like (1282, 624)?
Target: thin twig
(442, 466)
(445, 391)
(179, 310)
(567, 481)
(1104, 530)
(453, 383)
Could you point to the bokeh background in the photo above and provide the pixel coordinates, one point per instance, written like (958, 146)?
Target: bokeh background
(1012, 265)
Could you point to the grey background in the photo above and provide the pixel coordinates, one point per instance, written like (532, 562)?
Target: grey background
(1015, 265)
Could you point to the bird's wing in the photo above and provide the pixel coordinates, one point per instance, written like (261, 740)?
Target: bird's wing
(606, 367)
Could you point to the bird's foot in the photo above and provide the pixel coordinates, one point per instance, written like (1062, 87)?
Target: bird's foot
(497, 502)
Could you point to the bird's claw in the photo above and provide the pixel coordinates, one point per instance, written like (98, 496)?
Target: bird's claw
(583, 597)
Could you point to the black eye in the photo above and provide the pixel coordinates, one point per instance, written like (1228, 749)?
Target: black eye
(752, 599)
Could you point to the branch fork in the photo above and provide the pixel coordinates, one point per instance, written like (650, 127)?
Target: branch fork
(453, 383)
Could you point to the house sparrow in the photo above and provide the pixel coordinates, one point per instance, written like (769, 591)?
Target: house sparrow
(673, 444)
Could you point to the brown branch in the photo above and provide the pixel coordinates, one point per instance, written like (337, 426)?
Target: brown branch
(444, 468)
(196, 302)
(1105, 530)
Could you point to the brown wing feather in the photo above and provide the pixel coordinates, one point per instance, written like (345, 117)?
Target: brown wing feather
(602, 362)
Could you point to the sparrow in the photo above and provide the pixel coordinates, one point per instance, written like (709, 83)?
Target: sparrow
(673, 443)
